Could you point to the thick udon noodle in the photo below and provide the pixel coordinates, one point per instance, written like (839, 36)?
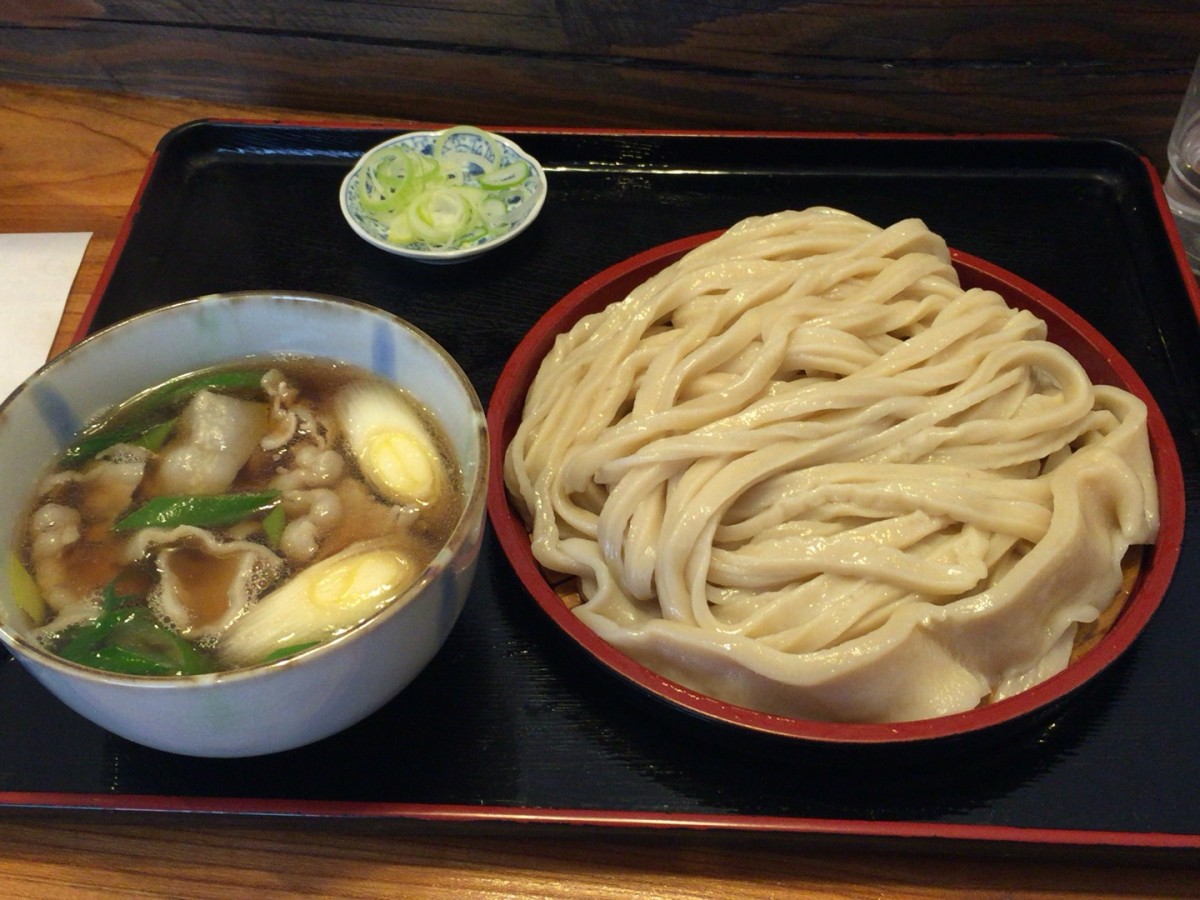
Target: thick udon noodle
(803, 470)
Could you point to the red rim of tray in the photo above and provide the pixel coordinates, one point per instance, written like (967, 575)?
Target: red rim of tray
(1103, 363)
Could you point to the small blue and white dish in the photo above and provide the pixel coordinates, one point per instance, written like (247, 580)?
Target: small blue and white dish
(443, 196)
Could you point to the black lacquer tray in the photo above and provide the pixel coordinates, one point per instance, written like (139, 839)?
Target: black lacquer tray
(510, 724)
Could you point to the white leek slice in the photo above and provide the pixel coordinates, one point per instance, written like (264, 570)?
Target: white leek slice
(390, 443)
(322, 601)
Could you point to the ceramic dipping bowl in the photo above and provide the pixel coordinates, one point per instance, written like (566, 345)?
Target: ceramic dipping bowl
(271, 706)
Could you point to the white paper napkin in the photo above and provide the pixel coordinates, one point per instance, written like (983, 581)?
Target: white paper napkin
(36, 272)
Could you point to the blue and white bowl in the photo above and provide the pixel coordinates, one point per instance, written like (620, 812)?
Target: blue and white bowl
(374, 230)
(294, 701)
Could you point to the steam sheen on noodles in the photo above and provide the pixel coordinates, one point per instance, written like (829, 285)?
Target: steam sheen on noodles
(803, 470)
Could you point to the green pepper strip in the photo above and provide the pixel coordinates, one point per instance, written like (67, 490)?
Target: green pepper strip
(90, 444)
(200, 510)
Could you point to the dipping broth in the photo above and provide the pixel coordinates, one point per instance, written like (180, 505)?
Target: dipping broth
(235, 516)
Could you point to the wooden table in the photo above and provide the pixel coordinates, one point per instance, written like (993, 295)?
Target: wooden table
(72, 161)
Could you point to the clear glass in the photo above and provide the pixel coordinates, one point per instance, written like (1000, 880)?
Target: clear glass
(1182, 186)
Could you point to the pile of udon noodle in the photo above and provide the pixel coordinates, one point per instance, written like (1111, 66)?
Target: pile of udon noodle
(804, 471)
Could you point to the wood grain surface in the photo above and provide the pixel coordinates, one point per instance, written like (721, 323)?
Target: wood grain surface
(1080, 67)
(72, 160)
(55, 855)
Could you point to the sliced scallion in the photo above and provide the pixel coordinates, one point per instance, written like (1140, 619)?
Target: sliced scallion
(445, 198)
(200, 510)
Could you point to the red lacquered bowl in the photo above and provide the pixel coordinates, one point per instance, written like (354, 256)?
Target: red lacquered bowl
(1099, 358)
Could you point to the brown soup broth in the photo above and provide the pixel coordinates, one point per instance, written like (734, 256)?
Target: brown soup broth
(75, 554)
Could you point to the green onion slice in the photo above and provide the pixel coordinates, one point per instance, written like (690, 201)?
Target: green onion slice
(200, 510)
(447, 198)
(273, 524)
(130, 641)
(291, 650)
(91, 443)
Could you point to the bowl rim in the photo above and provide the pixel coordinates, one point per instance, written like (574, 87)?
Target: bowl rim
(443, 256)
(475, 494)
(613, 283)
